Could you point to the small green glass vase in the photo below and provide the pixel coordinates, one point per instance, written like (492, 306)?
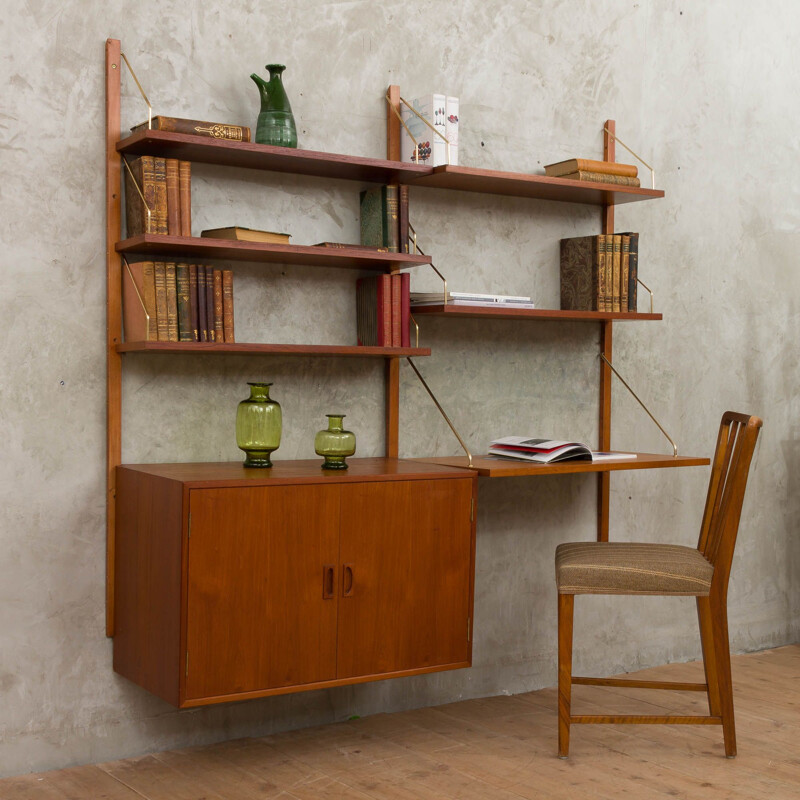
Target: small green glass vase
(275, 121)
(258, 426)
(335, 443)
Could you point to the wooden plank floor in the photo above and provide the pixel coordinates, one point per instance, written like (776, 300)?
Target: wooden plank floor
(497, 748)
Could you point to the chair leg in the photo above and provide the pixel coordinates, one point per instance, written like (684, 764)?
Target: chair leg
(722, 656)
(565, 613)
(709, 660)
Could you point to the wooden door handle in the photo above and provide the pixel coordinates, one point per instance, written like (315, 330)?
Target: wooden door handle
(328, 578)
(347, 580)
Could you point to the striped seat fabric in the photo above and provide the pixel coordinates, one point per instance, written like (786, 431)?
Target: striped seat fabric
(630, 568)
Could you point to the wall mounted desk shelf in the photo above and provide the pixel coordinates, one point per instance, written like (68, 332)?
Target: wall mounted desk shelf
(489, 467)
(190, 247)
(267, 157)
(540, 187)
(256, 348)
(492, 312)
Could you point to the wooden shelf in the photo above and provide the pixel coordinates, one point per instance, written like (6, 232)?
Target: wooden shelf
(183, 247)
(527, 313)
(250, 155)
(255, 348)
(470, 179)
(490, 467)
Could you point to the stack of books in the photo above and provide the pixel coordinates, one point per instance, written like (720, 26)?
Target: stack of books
(165, 186)
(384, 219)
(430, 148)
(470, 299)
(548, 451)
(585, 169)
(599, 273)
(238, 233)
(196, 127)
(169, 302)
(382, 311)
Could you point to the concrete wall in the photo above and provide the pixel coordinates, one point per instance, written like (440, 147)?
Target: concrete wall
(705, 90)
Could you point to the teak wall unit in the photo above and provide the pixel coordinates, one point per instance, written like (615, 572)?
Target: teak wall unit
(210, 566)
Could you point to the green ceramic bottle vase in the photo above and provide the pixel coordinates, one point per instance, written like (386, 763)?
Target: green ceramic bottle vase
(276, 121)
(335, 443)
(258, 426)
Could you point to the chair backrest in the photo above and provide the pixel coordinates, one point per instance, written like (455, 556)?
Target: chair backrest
(735, 444)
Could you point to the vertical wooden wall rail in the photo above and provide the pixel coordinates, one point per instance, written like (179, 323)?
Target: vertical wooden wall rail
(606, 340)
(113, 311)
(392, 392)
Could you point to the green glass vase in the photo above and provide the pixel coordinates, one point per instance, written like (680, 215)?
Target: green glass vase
(335, 443)
(275, 121)
(258, 426)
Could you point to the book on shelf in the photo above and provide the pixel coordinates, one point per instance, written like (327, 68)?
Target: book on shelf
(405, 309)
(451, 127)
(211, 331)
(346, 246)
(595, 272)
(202, 306)
(196, 127)
(161, 301)
(227, 306)
(164, 187)
(573, 165)
(430, 147)
(241, 234)
(600, 177)
(397, 290)
(172, 301)
(374, 311)
(194, 321)
(402, 219)
(184, 298)
(548, 451)
(219, 329)
(438, 298)
(139, 301)
(379, 218)
(633, 269)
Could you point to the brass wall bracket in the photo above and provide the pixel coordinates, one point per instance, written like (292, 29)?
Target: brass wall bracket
(441, 411)
(647, 410)
(638, 158)
(639, 280)
(149, 107)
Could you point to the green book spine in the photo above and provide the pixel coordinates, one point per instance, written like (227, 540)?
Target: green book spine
(185, 332)
(372, 217)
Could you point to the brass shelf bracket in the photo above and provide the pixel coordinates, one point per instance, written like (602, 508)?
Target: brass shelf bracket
(441, 410)
(647, 410)
(638, 158)
(644, 285)
(149, 107)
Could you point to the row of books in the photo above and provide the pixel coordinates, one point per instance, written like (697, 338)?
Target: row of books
(384, 218)
(599, 273)
(383, 311)
(421, 145)
(164, 186)
(169, 302)
(586, 169)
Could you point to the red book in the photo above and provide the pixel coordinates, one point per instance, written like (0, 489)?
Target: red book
(227, 305)
(396, 304)
(210, 305)
(219, 330)
(405, 309)
(185, 191)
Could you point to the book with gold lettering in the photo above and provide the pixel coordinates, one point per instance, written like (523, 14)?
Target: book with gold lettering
(195, 127)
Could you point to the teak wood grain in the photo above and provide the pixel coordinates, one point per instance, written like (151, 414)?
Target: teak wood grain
(150, 244)
(410, 550)
(258, 348)
(545, 314)
(251, 155)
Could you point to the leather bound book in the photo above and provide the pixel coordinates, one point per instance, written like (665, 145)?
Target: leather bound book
(219, 329)
(601, 177)
(580, 273)
(196, 127)
(193, 318)
(633, 271)
(210, 304)
(374, 311)
(391, 225)
(144, 174)
(185, 333)
(202, 306)
(623, 275)
(227, 306)
(602, 289)
(162, 327)
(402, 219)
(396, 309)
(161, 195)
(371, 204)
(185, 192)
(173, 198)
(616, 271)
(172, 302)
(609, 272)
(405, 309)
(139, 302)
(563, 168)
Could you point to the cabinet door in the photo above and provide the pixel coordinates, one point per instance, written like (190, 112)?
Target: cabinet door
(406, 553)
(261, 611)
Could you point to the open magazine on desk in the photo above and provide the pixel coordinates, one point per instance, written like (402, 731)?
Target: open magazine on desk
(547, 451)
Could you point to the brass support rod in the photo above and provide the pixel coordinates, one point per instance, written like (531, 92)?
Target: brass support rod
(441, 410)
(647, 289)
(149, 107)
(639, 158)
(658, 424)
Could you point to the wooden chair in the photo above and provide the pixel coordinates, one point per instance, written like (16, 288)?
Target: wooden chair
(664, 569)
